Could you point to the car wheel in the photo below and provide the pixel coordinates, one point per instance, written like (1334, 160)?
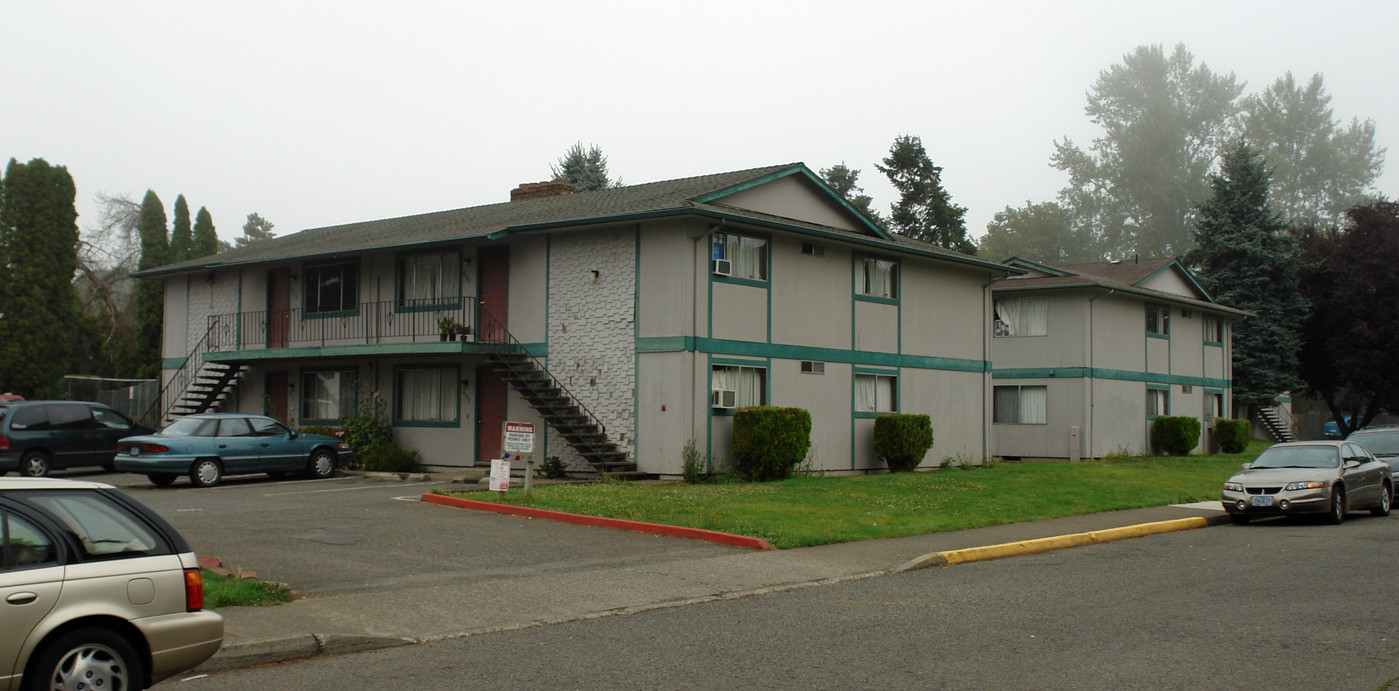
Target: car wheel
(1386, 496)
(1239, 518)
(1338, 507)
(206, 473)
(87, 659)
(34, 464)
(322, 464)
(161, 479)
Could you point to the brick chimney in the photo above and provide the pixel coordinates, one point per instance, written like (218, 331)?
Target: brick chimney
(537, 190)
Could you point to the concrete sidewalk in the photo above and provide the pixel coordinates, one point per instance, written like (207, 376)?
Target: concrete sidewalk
(361, 621)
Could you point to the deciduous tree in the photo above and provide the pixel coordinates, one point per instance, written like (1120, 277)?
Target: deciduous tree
(1347, 356)
(925, 210)
(38, 256)
(1043, 233)
(1248, 261)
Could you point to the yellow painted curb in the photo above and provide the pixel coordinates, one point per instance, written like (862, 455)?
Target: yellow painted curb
(1045, 544)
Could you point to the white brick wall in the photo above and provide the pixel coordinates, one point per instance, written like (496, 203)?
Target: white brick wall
(209, 298)
(592, 346)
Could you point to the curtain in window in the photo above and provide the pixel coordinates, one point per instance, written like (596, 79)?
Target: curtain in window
(1026, 405)
(1005, 404)
(1022, 317)
(884, 394)
(427, 395)
(428, 278)
(880, 278)
(866, 398)
(1033, 402)
(747, 383)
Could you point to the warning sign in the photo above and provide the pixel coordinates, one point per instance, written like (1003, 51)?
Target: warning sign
(519, 437)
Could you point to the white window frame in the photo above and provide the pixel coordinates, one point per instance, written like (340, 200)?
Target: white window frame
(1021, 317)
(1158, 320)
(1158, 402)
(870, 275)
(1027, 410)
(747, 255)
(876, 393)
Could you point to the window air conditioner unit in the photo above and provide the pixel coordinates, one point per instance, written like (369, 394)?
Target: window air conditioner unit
(723, 267)
(723, 398)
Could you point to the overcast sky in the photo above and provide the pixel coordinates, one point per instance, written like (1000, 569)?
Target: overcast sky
(319, 113)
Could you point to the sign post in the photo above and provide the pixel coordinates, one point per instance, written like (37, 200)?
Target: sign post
(518, 438)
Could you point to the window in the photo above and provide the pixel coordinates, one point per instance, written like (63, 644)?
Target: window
(876, 393)
(1019, 405)
(1158, 320)
(429, 280)
(746, 257)
(876, 278)
(1158, 402)
(235, 427)
(1214, 330)
(264, 427)
(103, 528)
(748, 383)
(813, 367)
(813, 249)
(1022, 317)
(111, 418)
(327, 395)
(1214, 405)
(331, 287)
(426, 394)
(1186, 388)
(25, 545)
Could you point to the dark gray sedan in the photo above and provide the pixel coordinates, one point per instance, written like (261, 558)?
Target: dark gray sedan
(1329, 477)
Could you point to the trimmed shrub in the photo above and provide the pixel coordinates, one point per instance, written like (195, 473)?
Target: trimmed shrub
(553, 468)
(389, 458)
(1175, 435)
(770, 441)
(1232, 435)
(902, 440)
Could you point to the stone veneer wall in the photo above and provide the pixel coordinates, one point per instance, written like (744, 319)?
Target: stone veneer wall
(206, 299)
(592, 330)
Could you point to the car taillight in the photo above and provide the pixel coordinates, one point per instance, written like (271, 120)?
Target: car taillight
(142, 448)
(4, 443)
(194, 590)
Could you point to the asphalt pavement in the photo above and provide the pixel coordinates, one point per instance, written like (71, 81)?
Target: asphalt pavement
(338, 622)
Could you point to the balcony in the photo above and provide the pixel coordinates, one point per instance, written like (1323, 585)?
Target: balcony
(369, 323)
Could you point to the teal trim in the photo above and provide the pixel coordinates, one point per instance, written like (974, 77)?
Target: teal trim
(863, 416)
(778, 351)
(176, 362)
(1164, 337)
(1103, 373)
(456, 387)
(1184, 272)
(737, 362)
(739, 281)
(871, 370)
(755, 182)
(882, 301)
(1217, 344)
(447, 303)
(365, 350)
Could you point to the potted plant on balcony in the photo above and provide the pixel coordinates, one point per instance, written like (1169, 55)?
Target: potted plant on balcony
(448, 328)
(463, 331)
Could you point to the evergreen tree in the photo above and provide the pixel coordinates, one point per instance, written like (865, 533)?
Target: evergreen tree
(584, 168)
(206, 241)
(1043, 233)
(845, 182)
(38, 257)
(925, 210)
(255, 229)
(1246, 260)
(181, 236)
(145, 352)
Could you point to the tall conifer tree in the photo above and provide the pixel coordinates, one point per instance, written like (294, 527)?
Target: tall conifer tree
(150, 293)
(181, 236)
(1247, 260)
(925, 210)
(206, 241)
(38, 255)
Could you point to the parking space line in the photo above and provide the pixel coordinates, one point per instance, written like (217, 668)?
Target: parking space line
(343, 489)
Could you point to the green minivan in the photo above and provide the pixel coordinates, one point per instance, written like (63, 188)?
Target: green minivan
(37, 437)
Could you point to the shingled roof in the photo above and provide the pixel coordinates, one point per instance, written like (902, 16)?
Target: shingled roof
(694, 195)
(1123, 276)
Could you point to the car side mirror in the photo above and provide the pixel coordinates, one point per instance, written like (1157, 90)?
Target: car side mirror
(1246, 466)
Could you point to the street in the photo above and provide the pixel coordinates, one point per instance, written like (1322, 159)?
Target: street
(1278, 605)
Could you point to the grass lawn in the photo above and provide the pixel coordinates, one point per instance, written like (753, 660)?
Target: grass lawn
(225, 592)
(809, 511)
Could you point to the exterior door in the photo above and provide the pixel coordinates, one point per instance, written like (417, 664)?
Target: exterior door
(278, 308)
(490, 413)
(275, 384)
(238, 449)
(494, 282)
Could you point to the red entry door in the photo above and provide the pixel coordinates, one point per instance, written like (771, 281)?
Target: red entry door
(490, 413)
(494, 282)
(275, 384)
(278, 307)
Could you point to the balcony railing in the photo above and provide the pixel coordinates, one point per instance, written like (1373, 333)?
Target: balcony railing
(369, 322)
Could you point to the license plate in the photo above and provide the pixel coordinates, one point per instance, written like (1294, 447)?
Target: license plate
(1261, 501)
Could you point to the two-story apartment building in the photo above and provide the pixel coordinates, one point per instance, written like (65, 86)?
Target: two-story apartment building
(624, 322)
(1086, 356)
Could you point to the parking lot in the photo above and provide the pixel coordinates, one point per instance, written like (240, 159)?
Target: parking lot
(353, 533)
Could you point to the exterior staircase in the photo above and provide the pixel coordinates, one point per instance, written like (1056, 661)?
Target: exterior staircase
(1277, 427)
(566, 415)
(212, 383)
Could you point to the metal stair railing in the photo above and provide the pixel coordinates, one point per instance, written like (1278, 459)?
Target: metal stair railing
(175, 389)
(492, 332)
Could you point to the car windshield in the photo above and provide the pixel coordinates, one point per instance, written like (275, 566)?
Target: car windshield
(191, 427)
(1297, 457)
(1378, 442)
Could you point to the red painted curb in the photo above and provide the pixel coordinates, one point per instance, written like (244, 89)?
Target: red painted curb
(620, 524)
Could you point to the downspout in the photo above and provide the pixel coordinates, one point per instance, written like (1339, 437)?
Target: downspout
(1092, 380)
(986, 335)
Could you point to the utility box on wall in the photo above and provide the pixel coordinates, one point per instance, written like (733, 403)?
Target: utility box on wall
(1073, 445)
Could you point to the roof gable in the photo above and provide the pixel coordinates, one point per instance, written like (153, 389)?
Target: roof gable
(797, 193)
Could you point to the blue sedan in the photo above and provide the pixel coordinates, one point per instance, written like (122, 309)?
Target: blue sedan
(208, 446)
